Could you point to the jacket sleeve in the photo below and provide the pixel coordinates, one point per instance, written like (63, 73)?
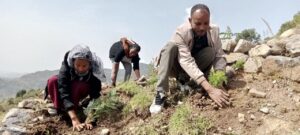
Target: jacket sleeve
(64, 84)
(220, 62)
(186, 61)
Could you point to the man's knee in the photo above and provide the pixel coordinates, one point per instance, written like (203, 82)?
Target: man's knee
(209, 53)
(171, 48)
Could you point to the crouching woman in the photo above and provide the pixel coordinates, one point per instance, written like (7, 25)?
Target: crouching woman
(80, 76)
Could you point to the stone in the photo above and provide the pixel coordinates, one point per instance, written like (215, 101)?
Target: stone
(275, 126)
(289, 33)
(252, 117)
(283, 61)
(104, 131)
(241, 117)
(274, 64)
(253, 65)
(277, 46)
(13, 121)
(255, 93)
(228, 45)
(6, 133)
(233, 57)
(41, 118)
(30, 103)
(293, 45)
(243, 46)
(264, 110)
(260, 50)
(296, 98)
(292, 73)
(35, 120)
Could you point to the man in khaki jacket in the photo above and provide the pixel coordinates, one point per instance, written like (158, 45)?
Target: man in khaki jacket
(193, 50)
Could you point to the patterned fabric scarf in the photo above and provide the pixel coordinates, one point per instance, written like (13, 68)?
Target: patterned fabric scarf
(84, 53)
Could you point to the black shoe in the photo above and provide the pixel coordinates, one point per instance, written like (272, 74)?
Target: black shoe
(160, 98)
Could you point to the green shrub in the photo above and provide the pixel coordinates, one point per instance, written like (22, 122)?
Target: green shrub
(249, 35)
(2, 108)
(179, 121)
(31, 94)
(152, 75)
(217, 78)
(290, 24)
(149, 127)
(185, 123)
(286, 26)
(238, 64)
(146, 129)
(129, 87)
(20, 93)
(200, 126)
(141, 101)
(104, 106)
(10, 101)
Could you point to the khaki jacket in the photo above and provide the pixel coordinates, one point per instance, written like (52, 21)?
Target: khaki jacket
(183, 38)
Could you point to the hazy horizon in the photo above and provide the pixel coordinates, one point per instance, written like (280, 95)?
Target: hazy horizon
(36, 34)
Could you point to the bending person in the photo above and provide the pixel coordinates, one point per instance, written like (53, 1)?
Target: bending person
(124, 51)
(80, 76)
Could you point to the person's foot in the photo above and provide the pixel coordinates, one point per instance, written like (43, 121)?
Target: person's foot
(157, 104)
(51, 109)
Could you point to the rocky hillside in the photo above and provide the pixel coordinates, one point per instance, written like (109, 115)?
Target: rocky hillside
(263, 84)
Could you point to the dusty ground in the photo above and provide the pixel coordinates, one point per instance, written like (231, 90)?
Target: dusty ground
(282, 100)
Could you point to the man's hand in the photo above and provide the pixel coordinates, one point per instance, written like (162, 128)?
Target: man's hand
(219, 96)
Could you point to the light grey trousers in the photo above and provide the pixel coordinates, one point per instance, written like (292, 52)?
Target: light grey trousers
(170, 67)
(126, 62)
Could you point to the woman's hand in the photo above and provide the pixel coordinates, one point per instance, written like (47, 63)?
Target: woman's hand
(75, 121)
(88, 126)
(77, 125)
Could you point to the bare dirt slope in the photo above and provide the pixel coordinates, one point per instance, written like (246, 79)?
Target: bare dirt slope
(242, 117)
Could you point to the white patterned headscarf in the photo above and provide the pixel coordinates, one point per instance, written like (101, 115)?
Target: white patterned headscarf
(83, 52)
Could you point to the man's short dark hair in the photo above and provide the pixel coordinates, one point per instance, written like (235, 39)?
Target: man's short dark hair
(136, 47)
(199, 6)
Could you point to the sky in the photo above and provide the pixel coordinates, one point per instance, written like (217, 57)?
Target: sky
(35, 34)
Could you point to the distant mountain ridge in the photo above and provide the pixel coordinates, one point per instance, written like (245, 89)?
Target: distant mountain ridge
(38, 80)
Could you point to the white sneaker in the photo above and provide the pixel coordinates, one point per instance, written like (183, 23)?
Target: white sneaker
(154, 109)
(52, 111)
(157, 103)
